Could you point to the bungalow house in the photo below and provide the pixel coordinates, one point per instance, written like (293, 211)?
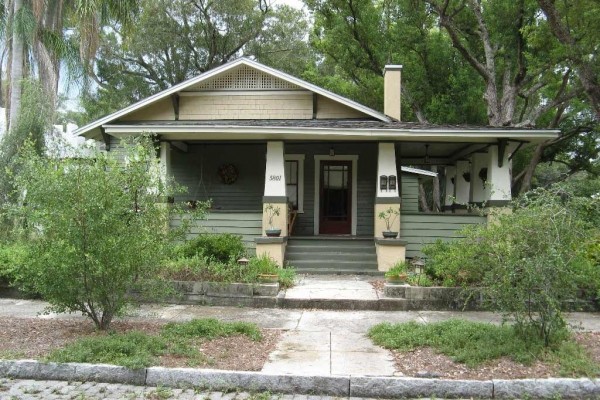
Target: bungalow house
(245, 135)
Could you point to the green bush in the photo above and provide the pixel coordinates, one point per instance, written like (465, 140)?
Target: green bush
(287, 277)
(529, 262)
(12, 257)
(419, 280)
(397, 269)
(263, 264)
(220, 247)
(96, 225)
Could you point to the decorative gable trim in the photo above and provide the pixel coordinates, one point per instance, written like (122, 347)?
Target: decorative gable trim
(92, 129)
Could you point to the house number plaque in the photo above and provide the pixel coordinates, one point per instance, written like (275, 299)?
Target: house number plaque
(275, 177)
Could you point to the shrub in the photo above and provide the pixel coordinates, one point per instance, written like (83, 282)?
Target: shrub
(96, 225)
(12, 257)
(397, 269)
(419, 280)
(530, 262)
(287, 277)
(221, 247)
(263, 264)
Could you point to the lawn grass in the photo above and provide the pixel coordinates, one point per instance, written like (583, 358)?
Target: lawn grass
(474, 343)
(139, 350)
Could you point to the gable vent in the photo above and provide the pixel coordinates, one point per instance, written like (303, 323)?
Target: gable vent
(244, 78)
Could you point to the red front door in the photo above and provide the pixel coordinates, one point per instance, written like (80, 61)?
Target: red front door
(335, 206)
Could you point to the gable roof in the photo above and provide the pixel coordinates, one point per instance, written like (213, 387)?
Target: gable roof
(220, 70)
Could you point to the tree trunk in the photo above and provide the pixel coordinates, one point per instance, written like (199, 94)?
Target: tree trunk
(423, 198)
(16, 69)
(437, 206)
(535, 160)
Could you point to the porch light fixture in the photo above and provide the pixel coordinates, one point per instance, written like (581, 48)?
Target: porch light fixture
(383, 183)
(418, 265)
(483, 175)
(331, 152)
(243, 261)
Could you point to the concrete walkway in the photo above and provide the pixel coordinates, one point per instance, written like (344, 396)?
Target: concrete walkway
(325, 287)
(316, 342)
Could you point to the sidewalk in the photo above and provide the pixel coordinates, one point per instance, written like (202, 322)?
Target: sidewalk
(316, 342)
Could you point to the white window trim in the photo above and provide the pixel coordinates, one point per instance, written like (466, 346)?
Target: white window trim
(350, 157)
(300, 159)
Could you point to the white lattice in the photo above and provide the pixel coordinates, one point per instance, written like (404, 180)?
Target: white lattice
(245, 78)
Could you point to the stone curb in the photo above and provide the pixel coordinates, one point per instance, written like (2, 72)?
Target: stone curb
(340, 386)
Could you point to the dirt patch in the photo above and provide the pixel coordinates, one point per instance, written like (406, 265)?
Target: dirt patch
(590, 341)
(378, 285)
(35, 338)
(231, 353)
(427, 363)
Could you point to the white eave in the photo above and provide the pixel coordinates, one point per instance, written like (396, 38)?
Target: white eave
(221, 69)
(418, 171)
(235, 132)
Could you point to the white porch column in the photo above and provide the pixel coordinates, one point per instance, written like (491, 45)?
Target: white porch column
(389, 251)
(275, 188)
(387, 196)
(479, 161)
(450, 180)
(498, 187)
(164, 167)
(462, 186)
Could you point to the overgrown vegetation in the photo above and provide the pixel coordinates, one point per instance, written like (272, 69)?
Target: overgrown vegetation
(530, 262)
(195, 262)
(95, 227)
(139, 350)
(474, 344)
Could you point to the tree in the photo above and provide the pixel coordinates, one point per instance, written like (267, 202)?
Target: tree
(357, 38)
(176, 40)
(529, 263)
(96, 226)
(568, 26)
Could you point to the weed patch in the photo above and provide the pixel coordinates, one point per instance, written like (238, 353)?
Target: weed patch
(474, 344)
(139, 350)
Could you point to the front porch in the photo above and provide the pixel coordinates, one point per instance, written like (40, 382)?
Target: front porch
(329, 189)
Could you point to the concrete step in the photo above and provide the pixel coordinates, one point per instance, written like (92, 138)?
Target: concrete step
(295, 255)
(338, 271)
(358, 265)
(330, 249)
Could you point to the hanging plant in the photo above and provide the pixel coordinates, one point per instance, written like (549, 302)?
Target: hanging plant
(228, 173)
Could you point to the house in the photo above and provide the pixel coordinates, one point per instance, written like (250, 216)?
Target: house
(246, 135)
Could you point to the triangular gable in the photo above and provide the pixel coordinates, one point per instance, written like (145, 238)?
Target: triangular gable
(240, 74)
(244, 77)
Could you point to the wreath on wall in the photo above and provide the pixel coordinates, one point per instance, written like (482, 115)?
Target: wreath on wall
(228, 173)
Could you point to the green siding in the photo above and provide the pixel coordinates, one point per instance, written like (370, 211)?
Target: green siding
(420, 229)
(409, 193)
(246, 224)
(197, 169)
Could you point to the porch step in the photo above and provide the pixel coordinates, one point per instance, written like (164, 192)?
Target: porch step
(332, 255)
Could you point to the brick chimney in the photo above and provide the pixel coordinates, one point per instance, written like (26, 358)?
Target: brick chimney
(392, 82)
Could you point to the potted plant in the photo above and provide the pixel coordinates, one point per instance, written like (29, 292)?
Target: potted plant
(389, 216)
(398, 274)
(272, 211)
(267, 269)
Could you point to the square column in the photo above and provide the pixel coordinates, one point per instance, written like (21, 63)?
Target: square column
(462, 184)
(275, 188)
(479, 165)
(499, 181)
(387, 196)
(450, 180)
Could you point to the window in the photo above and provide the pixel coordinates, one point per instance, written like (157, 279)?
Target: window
(294, 180)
